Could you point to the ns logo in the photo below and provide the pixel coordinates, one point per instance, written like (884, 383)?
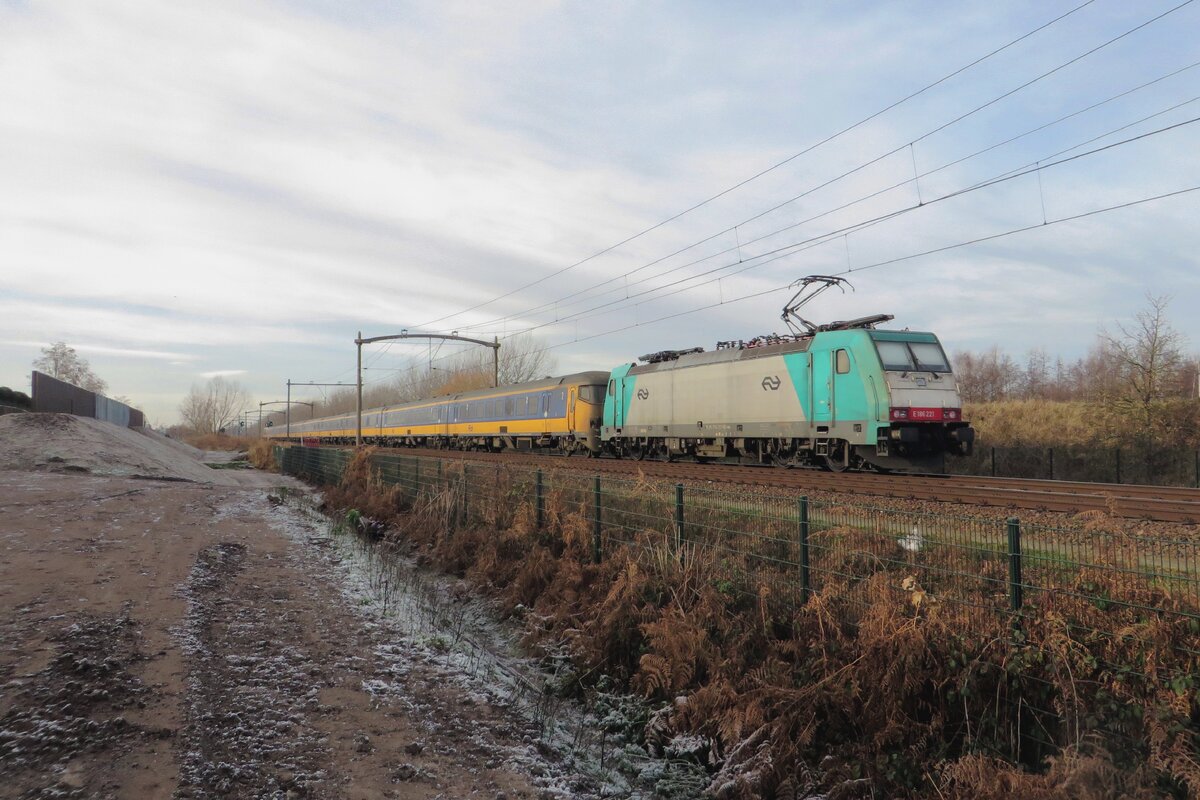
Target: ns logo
(771, 383)
(643, 394)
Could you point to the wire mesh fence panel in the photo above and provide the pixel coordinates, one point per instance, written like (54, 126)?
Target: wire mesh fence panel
(317, 464)
(1080, 624)
(753, 544)
(1135, 463)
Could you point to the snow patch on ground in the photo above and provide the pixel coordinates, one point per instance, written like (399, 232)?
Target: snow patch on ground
(426, 625)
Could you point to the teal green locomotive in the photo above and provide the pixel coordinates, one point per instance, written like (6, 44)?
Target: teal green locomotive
(852, 398)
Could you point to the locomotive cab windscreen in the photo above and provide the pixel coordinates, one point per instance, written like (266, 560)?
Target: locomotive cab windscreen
(912, 356)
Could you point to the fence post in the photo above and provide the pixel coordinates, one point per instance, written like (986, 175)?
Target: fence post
(993, 461)
(539, 503)
(1051, 463)
(679, 520)
(596, 525)
(416, 477)
(1015, 588)
(805, 578)
(464, 508)
(1118, 465)
(1197, 454)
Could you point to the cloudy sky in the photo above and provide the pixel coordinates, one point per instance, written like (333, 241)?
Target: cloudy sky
(189, 189)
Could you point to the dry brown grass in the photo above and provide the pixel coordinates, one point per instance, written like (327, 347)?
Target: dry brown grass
(217, 441)
(1050, 423)
(890, 689)
(262, 454)
(1043, 422)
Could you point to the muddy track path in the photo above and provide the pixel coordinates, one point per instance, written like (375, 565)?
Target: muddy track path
(162, 639)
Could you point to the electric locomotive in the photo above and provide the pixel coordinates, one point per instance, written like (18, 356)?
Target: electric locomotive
(842, 395)
(839, 399)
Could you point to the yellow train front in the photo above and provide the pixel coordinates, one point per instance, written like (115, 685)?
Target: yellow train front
(560, 414)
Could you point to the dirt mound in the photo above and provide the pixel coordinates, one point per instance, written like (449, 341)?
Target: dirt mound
(183, 447)
(66, 443)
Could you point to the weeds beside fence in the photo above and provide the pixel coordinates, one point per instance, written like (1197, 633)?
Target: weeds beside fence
(928, 649)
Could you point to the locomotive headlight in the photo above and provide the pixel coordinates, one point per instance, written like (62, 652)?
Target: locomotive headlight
(899, 414)
(953, 414)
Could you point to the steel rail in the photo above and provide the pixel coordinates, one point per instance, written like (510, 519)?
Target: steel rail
(1133, 501)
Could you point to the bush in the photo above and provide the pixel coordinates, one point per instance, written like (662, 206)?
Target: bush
(11, 397)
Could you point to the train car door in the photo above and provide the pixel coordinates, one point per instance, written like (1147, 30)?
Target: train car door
(571, 408)
(849, 391)
(544, 407)
(617, 387)
(822, 387)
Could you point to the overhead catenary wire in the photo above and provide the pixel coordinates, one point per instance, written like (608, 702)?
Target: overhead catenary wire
(886, 262)
(898, 259)
(761, 259)
(777, 165)
(741, 244)
(755, 261)
(937, 129)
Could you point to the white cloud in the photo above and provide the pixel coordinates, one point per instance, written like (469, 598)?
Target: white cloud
(186, 182)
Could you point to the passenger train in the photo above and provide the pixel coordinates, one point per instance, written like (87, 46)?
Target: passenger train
(845, 396)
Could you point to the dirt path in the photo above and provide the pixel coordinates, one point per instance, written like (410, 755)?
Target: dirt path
(164, 639)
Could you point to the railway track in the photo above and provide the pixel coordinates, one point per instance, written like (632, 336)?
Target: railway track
(1158, 503)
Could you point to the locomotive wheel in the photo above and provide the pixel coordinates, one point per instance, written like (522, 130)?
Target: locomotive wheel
(834, 464)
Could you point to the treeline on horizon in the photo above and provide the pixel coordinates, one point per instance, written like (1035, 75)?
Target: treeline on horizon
(1138, 384)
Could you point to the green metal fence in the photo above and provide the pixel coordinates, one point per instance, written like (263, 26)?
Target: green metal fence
(1107, 592)
(993, 564)
(1135, 464)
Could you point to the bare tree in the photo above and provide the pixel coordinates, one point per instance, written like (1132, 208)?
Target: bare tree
(984, 377)
(213, 406)
(1035, 382)
(62, 362)
(1149, 353)
(522, 358)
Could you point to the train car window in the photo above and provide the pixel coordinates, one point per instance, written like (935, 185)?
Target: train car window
(929, 356)
(894, 355)
(612, 387)
(508, 406)
(843, 362)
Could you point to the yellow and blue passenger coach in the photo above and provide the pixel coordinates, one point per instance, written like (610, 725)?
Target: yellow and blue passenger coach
(563, 414)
